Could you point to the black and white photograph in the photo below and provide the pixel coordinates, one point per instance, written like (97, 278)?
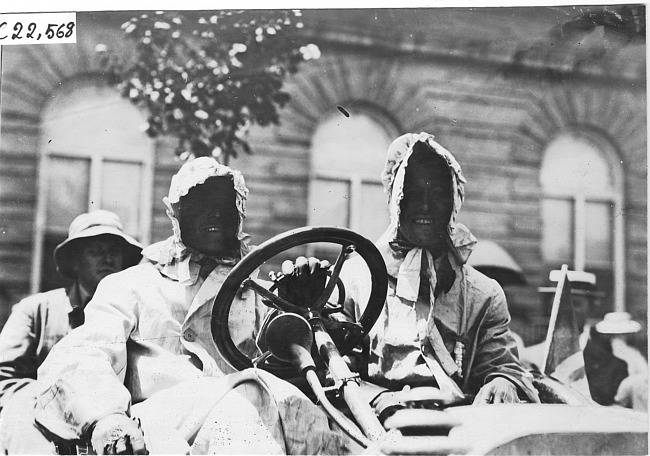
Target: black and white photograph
(238, 228)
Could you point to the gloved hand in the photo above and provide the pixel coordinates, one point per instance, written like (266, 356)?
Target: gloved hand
(497, 391)
(118, 434)
(303, 281)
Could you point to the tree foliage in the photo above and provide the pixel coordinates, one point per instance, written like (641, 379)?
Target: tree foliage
(206, 76)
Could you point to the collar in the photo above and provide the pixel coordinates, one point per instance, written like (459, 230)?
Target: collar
(77, 296)
(182, 265)
(186, 269)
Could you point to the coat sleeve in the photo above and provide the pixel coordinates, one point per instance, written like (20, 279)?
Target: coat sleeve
(18, 342)
(356, 279)
(81, 380)
(496, 350)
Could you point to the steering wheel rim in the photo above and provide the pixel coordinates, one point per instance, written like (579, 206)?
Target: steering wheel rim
(278, 244)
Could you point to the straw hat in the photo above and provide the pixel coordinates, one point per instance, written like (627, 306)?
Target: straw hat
(91, 224)
(618, 323)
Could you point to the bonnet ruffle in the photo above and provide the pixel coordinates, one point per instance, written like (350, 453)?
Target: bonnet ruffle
(191, 174)
(406, 265)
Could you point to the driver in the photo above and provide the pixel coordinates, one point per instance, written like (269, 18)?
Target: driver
(444, 323)
(143, 373)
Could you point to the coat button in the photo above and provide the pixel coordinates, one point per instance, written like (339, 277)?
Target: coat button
(189, 335)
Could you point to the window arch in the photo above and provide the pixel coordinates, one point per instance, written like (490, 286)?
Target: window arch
(94, 155)
(348, 154)
(581, 209)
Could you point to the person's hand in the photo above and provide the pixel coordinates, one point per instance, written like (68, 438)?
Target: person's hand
(633, 392)
(302, 282)
(497, 391)
(118, 434)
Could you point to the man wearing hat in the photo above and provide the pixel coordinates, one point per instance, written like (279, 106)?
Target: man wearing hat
(96, 247)
(584, 297)
(143, 373)
(618, 373)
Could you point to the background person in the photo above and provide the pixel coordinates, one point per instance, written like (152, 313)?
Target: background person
(96, 246)
(617, 372)
(584, 299)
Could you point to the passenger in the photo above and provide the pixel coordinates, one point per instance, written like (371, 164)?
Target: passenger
(143, 373)
(444, 323)
(96, 247)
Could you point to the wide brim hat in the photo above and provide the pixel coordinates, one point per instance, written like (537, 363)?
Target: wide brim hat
(93, 224)
(618, 323)
(495, 262)
(582, 283)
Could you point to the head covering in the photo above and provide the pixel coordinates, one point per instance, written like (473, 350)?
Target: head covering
(89, 225)
(191, 174)
(582, 283)
(618, 323)
(406, 265)
(495, 262)
(392, 177)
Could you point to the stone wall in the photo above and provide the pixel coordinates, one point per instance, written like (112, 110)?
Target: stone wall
(494, 116)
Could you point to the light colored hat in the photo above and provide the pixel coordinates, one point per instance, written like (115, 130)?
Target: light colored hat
(191, 174)
(618, 323)
(197, 171)
(91, 224)
(495, 262)
(582, 283)
(394, 174)
(399, 152)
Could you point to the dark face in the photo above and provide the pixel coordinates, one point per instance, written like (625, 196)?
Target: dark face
(95, 258)
(582, 306)
(427, 203)
(208, 217)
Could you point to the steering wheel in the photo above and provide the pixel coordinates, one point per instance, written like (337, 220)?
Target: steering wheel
(239, 278)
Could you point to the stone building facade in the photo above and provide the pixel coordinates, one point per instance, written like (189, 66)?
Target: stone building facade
(551, 136)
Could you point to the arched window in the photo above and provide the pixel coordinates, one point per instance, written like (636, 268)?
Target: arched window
(94, 156)
(581, 210)
(348, 156)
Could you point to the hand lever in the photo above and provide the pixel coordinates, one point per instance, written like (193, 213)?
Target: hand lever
(350, 388)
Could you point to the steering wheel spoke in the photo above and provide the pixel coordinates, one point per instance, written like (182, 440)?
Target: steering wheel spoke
(331, 309)
(260, 359)
(271, 298)
(334, 276)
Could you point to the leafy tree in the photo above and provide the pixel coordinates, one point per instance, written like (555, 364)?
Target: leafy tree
(206, 76)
